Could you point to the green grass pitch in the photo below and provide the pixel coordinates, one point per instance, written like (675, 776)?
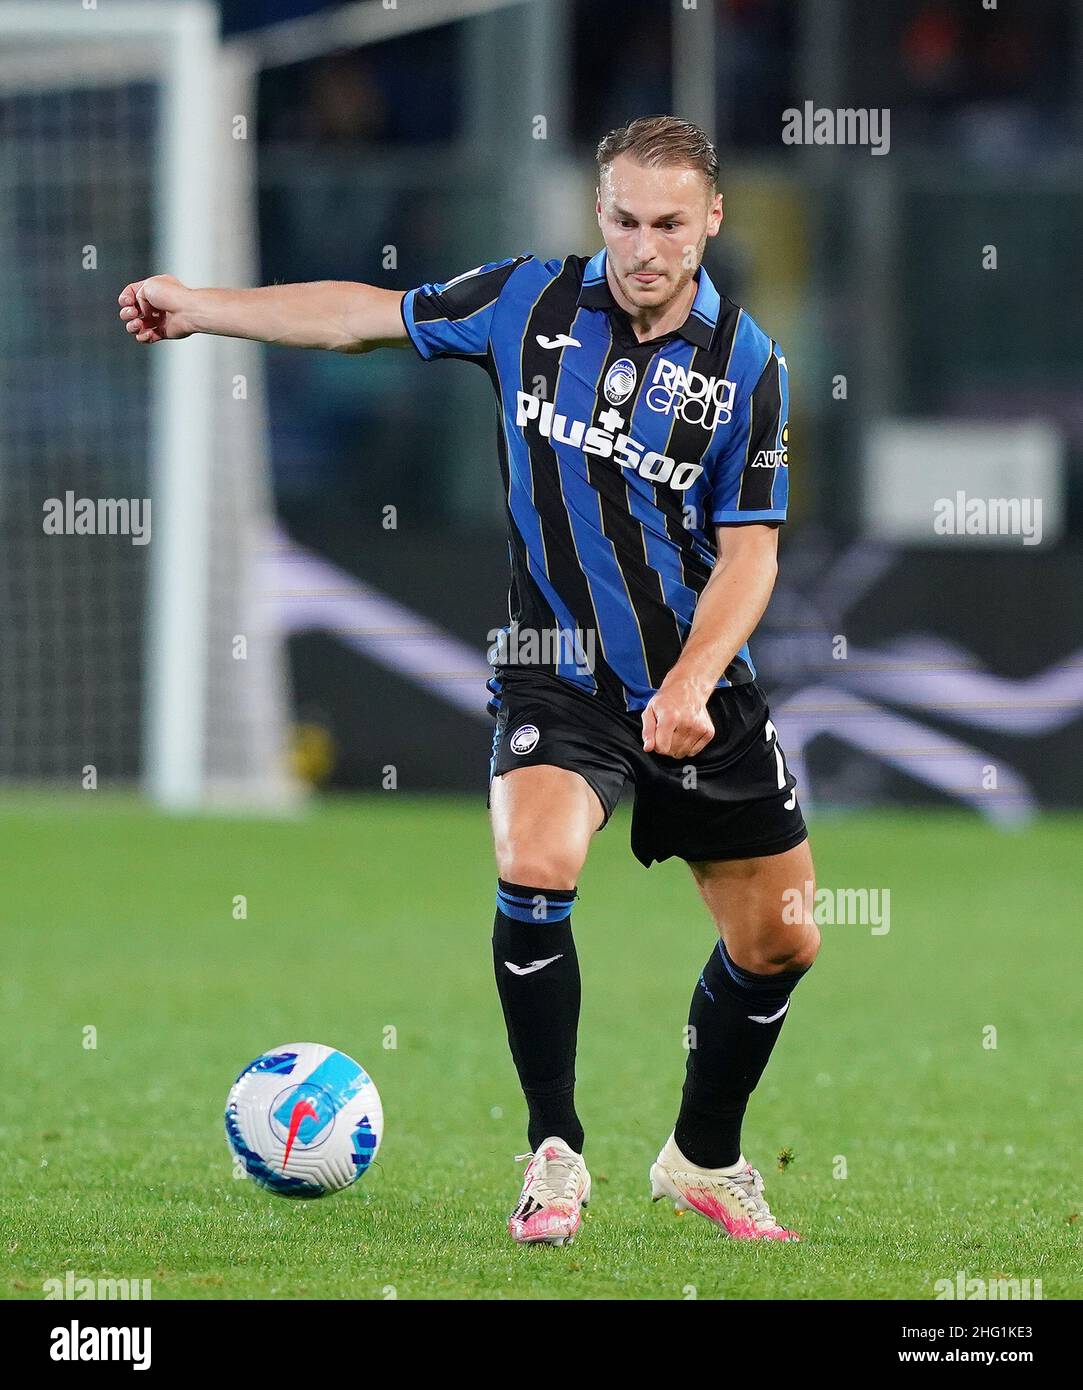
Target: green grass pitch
(374, 914)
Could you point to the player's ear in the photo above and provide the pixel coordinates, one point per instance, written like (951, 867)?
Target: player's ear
(714, 215)
(598, 205)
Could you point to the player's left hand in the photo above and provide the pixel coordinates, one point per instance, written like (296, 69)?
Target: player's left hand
(675, 722)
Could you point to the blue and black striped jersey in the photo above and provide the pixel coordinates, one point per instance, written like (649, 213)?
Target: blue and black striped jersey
(618, 458)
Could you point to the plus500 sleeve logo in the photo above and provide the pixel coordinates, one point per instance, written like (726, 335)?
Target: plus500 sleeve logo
(603, 443)
(690, 396)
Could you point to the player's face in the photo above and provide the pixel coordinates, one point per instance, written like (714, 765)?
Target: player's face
(655, 223)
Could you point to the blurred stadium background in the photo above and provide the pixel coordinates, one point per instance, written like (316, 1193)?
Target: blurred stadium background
(307, 628)
(278, 140)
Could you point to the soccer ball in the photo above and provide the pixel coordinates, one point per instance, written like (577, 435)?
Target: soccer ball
(304, 1119)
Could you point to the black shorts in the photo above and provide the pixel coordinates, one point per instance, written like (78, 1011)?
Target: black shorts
(733, 800)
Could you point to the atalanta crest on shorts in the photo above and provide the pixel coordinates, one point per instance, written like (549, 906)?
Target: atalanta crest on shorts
(524, 739)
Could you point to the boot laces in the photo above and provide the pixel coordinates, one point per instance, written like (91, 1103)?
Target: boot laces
(749, 1185)
(552, 1181)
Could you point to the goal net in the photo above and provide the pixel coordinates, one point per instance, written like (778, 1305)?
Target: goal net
(137, 640)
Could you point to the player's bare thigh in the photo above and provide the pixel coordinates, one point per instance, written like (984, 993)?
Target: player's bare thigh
(763, 908)
(543, 819)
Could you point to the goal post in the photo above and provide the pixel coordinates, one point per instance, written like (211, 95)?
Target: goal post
(182, 437)
(123, 152)
(122, 155)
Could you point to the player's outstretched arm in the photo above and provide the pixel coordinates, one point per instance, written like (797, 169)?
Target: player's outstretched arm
(338, 315)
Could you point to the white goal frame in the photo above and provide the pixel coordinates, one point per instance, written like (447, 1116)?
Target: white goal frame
(177, 45)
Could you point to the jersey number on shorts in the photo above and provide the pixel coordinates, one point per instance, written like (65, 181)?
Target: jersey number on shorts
(770, 735)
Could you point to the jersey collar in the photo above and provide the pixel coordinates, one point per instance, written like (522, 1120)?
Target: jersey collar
(702, 318)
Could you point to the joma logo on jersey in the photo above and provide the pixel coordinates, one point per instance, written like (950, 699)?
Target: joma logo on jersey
(690, 396)
(603, 443)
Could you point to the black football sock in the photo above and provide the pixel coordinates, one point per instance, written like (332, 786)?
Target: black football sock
(736, 1017)
(537, 976)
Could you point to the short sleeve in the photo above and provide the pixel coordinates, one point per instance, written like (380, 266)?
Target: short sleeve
(454, 319)
(752, 481)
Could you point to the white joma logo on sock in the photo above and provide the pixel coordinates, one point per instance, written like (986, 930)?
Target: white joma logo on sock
(534, 965)
(769, 1018)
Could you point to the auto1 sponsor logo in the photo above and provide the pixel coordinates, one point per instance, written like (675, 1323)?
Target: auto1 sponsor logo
(774, 458)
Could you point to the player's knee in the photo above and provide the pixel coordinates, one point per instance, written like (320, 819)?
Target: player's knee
(805, 950)
(537, 866)
(778, 948)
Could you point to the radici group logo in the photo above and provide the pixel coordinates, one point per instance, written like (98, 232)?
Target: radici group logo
(691, 396)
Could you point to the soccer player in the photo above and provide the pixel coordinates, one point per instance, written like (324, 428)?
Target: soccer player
(644, 454)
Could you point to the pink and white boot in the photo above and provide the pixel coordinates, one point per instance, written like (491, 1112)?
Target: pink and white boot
(730, 1197)
(556, 1186)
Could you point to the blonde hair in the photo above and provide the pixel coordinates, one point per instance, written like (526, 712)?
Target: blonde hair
(661, 140)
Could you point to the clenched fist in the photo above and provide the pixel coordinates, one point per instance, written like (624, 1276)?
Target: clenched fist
(153, 309)
(675, 722)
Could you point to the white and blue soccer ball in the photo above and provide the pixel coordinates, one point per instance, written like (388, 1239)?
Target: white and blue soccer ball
(304, 1120)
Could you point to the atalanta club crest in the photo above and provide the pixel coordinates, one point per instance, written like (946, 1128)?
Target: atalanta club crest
(620, 381)
(524, 739)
